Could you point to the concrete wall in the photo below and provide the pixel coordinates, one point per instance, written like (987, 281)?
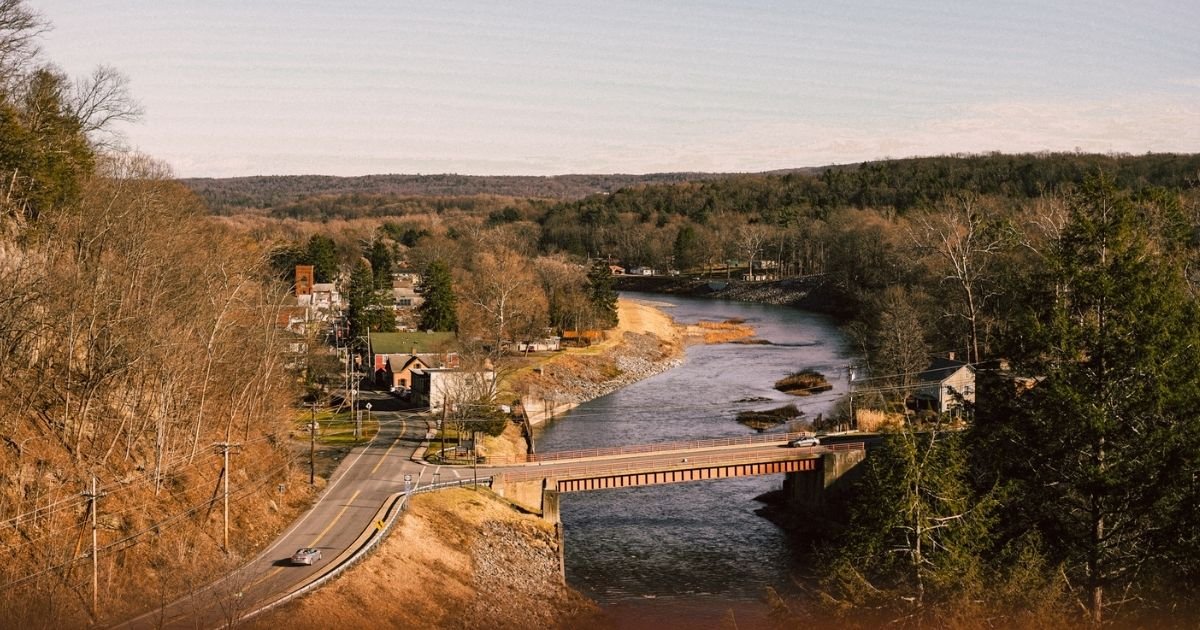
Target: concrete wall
(812, 488)
(529, 495)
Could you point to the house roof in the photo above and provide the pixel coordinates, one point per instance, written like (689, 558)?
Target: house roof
(407, 342)
(939, 370)
(398, 362)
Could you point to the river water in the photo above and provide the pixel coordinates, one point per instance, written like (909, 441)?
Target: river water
(692, 555)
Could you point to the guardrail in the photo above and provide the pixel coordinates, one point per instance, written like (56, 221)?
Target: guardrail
(457, 483)
(581, 471)
(641, 449)
(391, 508)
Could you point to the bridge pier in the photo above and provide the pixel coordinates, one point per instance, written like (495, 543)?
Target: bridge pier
(811, 489)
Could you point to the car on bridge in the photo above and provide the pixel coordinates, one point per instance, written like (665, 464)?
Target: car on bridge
(306, 555)
(808, 440)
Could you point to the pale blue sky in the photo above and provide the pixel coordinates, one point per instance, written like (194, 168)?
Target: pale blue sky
(375, 86)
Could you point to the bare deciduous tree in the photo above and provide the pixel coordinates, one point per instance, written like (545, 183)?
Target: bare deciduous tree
(961, 243)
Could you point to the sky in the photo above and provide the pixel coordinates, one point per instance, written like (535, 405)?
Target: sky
(355, 87)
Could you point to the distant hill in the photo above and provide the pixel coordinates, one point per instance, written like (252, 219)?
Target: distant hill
(272, 194)
(900, 184)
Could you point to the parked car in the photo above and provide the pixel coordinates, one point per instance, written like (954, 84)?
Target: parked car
(306, 555)
(810, 440)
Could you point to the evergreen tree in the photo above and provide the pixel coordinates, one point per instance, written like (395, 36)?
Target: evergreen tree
(380, 256)
(438, 311)
(602, 295)
(322, 255)
(1102, 451)
(368, 309)
(687, 248)
(916, 530)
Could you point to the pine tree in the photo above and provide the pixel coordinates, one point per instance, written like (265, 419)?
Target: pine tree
(438, 311)
(368, 309)
(380, 256)
(917, 532)
(322, 255)
(602, 295)
(1102, 450)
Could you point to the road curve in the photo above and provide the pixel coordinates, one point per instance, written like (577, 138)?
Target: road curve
(365, 479)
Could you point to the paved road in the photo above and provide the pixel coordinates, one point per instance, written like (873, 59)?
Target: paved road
(349, 505)
(361, 484)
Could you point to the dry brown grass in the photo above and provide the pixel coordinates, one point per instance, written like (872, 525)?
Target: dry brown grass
(877, 420)
(457, 559)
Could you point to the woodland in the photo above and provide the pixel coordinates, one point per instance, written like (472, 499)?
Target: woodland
(139, 340)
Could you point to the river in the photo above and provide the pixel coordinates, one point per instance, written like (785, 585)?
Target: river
(692, 555)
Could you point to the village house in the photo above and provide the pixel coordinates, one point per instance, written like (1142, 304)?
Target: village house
(945, 385)
(404, 293)
(394, 356)
(434, 387)
(546, 344)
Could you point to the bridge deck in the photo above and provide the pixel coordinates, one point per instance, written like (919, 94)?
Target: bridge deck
(661, 469)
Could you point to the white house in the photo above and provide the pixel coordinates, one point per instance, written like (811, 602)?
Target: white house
(945, 385)
(433, 387)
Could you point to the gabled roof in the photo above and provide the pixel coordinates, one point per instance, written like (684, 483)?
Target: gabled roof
(407, 342)
(939, 370)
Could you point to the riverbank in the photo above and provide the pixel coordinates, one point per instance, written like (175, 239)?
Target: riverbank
(456, 559)
(646, 342)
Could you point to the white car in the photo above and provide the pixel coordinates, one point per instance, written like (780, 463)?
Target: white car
(306, 555)
(810, 440)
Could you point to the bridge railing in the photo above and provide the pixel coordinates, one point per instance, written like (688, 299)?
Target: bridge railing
(641, 449)
(618, 468)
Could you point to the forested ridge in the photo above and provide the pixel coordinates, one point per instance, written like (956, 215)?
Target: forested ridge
(324, 196)
(134, 334)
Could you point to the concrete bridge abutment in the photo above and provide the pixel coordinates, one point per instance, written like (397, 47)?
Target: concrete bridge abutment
(812, 489)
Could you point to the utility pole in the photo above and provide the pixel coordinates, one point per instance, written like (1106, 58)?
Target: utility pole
(475, 460)
(442, 429)
(312, 445)
(92, 497)
(850, 386)
(225, 448)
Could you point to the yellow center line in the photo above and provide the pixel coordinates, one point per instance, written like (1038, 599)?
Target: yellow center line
(389, 450)
(262, 579)
(335, 519)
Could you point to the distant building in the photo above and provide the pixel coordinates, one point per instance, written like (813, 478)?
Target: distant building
(642, 271)
(616, 270)
(434, 387)
(304, 280)
(392, 354)
(945, 385)
(325, 297)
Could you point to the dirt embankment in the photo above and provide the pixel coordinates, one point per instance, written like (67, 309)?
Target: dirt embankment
(457, 559)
